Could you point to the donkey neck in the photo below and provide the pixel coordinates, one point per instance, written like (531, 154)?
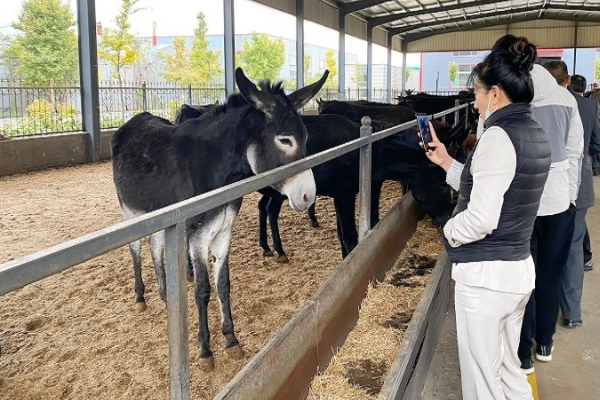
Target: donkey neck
(222, 141)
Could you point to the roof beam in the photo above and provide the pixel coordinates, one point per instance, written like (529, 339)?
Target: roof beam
(544, 7)
(418, 36)
(347, 8)
(373, 22)
(492, 13)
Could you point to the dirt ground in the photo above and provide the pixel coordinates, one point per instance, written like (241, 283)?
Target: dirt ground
(76, 335)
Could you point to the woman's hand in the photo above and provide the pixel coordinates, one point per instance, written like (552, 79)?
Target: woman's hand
(437, 152)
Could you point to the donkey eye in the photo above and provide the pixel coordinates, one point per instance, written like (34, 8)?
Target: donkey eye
(285, 142)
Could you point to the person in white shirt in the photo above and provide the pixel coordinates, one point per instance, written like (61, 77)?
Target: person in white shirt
(488, 236)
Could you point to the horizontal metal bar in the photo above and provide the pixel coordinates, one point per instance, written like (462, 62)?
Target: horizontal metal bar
(42, 264)
(413, 37)
(31, 268)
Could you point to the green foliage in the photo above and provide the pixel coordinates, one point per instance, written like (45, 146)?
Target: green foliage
(205, 66)
(407, 73)
(177, 67)
(358, 76)
(117, 46)
(200, 65)
(307, 61)
(453, 72)
(596, 70)
(262, 58)
(45, 49)
(330, 64)
(44, 117)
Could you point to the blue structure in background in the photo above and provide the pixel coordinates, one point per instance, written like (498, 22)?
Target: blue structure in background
(434, 66)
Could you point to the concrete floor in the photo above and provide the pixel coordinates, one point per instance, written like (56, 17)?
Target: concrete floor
(574, 372)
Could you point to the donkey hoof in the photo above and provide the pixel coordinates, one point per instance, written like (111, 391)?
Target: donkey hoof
(140, 307)
(268, 253)
(314, 224)
(235, 352)
(206, 364)
(283, 259)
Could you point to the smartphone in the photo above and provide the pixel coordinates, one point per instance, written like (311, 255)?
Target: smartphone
(424, 131)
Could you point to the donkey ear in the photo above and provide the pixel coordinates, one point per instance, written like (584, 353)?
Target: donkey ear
(257, 98)
(301, 96)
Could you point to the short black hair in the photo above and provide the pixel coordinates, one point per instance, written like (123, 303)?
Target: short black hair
(559, 71)
(578, 83)
(508, 66)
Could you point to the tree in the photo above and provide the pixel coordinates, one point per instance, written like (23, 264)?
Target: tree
(597, 70)
(453, 72)
(358, 76)
(407, 73)
(117, 46)
(45, 49)
(307, 63)
(205, 65)
(330, 64)
(177, 67)
(262, 58)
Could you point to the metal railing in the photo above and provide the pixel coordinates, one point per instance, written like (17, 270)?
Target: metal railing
(34, 110)
(27, 110)
(34, 267)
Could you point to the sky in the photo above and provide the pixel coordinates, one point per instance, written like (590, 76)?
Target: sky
(178, 18)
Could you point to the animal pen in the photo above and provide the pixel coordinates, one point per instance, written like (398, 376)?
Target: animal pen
(284, 367)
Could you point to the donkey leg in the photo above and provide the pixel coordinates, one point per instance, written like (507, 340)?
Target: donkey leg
(338, 229)
(273, 209)
(312, 216)
(220, 251)
(157, 250)
(135, 248)
(198, 250)
(262, 226)
(344, 209)
(375, 195)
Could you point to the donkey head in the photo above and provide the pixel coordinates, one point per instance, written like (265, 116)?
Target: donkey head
(284, 136)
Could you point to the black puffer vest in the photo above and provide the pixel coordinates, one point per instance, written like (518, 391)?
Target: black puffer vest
(510, 241)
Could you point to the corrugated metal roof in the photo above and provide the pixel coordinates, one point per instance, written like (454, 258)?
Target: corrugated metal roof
(414, 20)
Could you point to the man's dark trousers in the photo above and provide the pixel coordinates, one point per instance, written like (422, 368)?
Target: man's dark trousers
(550, 244)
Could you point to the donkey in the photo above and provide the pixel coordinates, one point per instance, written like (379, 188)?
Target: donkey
(156, 163)
(398, 157)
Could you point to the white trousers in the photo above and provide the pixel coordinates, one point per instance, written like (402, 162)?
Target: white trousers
(488, 328)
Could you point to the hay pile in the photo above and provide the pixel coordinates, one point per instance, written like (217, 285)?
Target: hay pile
(358, 369)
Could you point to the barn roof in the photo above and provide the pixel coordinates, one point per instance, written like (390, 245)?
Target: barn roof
(414, 20)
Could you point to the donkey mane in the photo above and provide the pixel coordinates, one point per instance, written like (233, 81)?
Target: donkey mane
(237, 100)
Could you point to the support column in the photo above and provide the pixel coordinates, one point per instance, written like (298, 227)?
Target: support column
(299, 44)
(403, 47)
(369, 62)
(342, 54)
(229, 51)
(575, 49)
(88, 74)
(389, 67)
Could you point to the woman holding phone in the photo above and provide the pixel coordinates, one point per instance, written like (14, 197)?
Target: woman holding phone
(488, 236)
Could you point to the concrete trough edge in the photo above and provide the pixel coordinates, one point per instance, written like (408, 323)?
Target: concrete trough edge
(406, 376)
(285, 366)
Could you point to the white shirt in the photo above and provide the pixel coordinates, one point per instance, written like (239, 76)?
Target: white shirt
(493, 168)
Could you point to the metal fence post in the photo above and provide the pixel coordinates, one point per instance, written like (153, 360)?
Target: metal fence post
(189, 94)
(364, 199)
(177, 323)
(144, 97)
(456, 113)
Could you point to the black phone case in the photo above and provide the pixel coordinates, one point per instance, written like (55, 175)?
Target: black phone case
(424, 131)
